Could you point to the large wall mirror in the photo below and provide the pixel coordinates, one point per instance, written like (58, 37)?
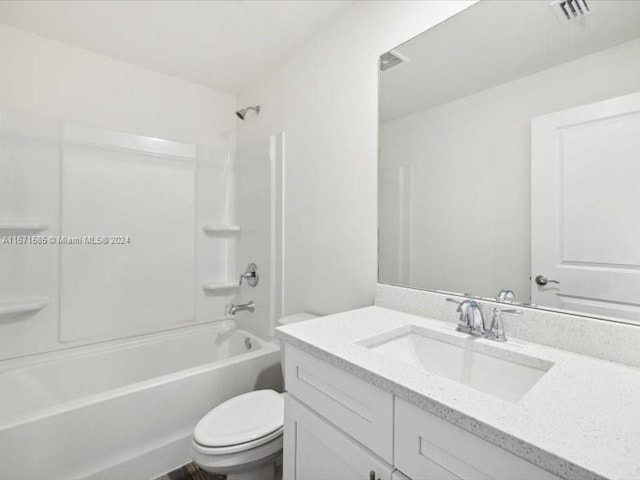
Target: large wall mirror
(510, 156)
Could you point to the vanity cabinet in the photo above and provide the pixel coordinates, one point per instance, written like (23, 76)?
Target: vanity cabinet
(316, 450)
(338, 427)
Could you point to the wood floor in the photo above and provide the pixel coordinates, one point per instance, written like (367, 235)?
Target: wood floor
(190, 471)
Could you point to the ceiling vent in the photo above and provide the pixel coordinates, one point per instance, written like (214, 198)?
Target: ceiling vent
(391, 59)
(570, 10)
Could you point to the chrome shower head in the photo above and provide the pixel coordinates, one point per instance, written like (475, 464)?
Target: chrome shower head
(243, 112)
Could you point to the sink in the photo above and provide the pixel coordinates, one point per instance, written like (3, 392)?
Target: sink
(498, 372)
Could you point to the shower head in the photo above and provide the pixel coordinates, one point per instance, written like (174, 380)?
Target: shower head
(243, 112)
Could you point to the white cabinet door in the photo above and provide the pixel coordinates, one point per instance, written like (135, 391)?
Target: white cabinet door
(585, 233)
(316, 450)
(359, 409)
(430, 448)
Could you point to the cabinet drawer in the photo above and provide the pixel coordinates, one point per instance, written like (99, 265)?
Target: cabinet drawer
(356, 407)
(430, 448)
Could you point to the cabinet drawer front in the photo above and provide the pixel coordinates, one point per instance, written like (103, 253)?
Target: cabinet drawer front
(316, 450)
(356, 407)
(430, 448)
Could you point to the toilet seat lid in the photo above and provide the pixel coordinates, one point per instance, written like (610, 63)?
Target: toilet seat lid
(241, 419)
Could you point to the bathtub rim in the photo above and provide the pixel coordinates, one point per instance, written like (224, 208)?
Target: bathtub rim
(75, 351)
(39, 414)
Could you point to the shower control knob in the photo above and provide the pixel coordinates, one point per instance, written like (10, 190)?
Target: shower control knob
(251, 275)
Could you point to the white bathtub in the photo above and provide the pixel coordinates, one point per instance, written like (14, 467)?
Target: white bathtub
(127, 410)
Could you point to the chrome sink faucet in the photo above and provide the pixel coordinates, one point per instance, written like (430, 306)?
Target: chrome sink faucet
(471, 317)
(472, 320)
(506, 296)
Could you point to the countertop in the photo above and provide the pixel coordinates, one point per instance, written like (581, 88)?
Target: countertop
(581, 420)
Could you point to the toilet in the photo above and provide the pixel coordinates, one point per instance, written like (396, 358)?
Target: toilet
(242, 437)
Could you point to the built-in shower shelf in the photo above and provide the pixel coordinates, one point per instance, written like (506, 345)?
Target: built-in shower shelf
(23, 306)
(219, 286)
(22, 227)
(221, 229)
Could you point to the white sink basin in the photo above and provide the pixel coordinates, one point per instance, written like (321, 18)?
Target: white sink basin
(459, 359)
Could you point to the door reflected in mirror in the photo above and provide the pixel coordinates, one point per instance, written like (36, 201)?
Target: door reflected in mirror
(509, 148)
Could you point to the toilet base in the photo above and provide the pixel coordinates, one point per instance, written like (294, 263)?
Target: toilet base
(270, 469)
(261, 472)
(260, 463)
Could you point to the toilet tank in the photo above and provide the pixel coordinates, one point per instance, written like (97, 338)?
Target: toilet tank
(286, 320)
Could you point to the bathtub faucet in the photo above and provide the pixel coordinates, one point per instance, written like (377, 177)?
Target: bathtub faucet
(242, 307)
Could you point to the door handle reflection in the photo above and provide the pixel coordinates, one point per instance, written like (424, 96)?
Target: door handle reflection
(542, 281)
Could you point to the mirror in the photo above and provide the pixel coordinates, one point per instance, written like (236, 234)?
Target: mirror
(509, 146)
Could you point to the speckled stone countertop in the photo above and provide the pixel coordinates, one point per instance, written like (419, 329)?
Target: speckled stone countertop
(581, 420)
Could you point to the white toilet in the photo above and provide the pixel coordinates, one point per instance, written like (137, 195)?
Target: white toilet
(242, 437)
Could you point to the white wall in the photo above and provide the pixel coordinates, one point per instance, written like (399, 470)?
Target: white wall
(325, 98)
(48, 78)
(470, 167)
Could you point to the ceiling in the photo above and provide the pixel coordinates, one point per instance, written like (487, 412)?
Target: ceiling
(220, 44)
(494, 42)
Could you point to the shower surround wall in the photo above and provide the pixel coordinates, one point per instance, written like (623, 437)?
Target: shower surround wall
(61, 182)
(258, 168)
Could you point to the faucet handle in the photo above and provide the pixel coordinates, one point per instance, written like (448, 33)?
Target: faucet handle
(496, 331)
(251, 274)
(453, 300)
(459, 301)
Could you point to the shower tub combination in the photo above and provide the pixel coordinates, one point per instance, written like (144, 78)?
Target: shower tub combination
(124, 410)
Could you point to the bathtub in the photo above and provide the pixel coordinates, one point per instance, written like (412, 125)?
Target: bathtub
(125, 410)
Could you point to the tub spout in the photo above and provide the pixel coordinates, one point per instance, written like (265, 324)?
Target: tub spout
(250, 307)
